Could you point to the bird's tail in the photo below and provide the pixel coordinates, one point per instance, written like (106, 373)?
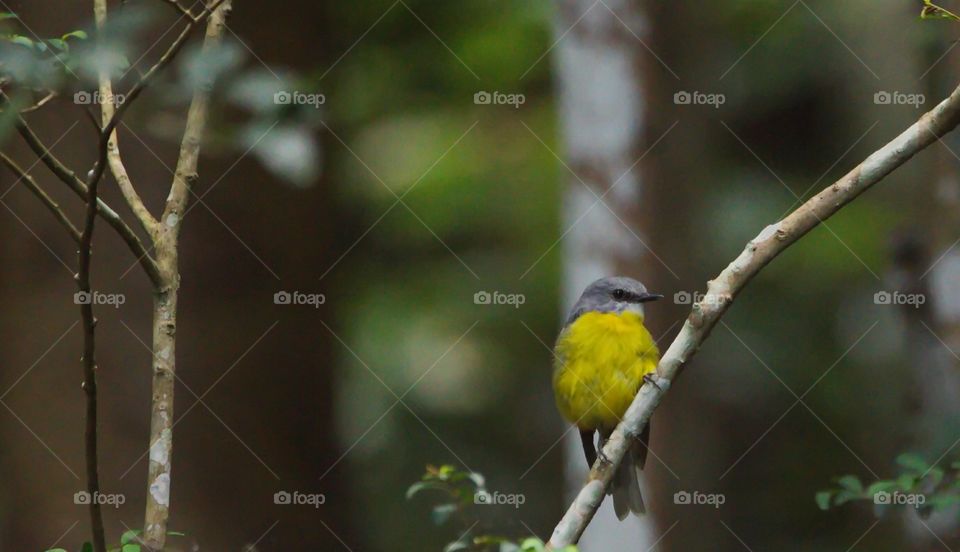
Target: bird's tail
(625, 486)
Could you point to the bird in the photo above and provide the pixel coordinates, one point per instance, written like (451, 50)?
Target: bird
(603, 355)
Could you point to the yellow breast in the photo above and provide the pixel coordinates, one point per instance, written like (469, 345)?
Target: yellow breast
(601, 361)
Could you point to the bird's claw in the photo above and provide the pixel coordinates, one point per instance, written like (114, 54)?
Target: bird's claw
(648, 378)
(603, 457)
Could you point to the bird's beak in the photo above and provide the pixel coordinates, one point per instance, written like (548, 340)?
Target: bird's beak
(647, 297)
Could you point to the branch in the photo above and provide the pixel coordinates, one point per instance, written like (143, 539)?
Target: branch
(74, 182)
(47, 201)
(184, 11)
(86, 316)
(157, 512)
(117, 168)
(186, 172)
(771, 241)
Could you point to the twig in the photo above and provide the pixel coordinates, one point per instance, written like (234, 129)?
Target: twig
(43, 101)
(74, 182)
(90, 323)
(180, 8)
(47, 201)
(772, 241)
(114, 159)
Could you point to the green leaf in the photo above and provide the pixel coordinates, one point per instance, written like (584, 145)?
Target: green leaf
(934, 477)
(456, 546)
(912, 461)
(130, 548)
(3, 17)
(129, 536)
(442, 513)
(907, 481)
(844, 496)
(56, 550)
(881, 486)
(82, 35)
(21, 40)
(87, 547)
(823, 499)
(851, 483)
(423, 486)
(532, 545)
(933, 11)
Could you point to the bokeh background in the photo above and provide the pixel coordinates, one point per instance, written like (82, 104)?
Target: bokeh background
(424, 197)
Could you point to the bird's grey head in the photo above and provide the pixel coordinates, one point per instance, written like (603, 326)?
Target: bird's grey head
(615, 294)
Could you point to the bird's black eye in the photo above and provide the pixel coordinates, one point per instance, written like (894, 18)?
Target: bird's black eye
(619, 294)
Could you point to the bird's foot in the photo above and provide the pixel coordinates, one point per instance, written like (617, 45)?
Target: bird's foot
(603, 457)
(648, 378)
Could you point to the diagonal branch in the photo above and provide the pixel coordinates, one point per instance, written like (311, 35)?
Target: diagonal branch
(186, 171)
(47, 201)
(74, 182)
(772, 241)
(117, 168)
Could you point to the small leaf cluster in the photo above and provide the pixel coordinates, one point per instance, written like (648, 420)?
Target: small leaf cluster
(457, 490)
(935, 488)
(933, 11)
(129, 542)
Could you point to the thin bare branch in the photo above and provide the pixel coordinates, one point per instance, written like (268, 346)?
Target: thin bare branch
(180, 8)
(74, 182)
(114, 159)
(47, 201)
(771, 241)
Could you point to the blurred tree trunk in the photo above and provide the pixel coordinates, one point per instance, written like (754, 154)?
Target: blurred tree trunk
(926, 261)
(602, 102)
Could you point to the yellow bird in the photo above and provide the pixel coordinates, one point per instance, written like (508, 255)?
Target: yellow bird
(603, 355)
